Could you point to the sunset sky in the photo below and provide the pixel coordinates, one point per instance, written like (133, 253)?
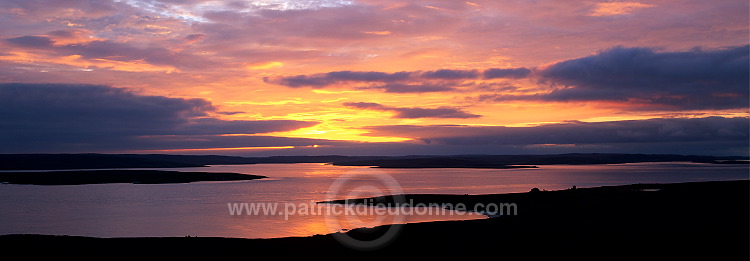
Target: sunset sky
(374, 77)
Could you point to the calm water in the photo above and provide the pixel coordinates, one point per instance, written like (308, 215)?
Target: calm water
(200, 209)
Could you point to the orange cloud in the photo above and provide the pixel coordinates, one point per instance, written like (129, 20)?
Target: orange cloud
(377, 32)
(617, 8)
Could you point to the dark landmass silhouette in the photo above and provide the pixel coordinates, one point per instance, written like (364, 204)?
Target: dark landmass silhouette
(107, 161)
(480, 161)
(436, 162)
(697, 220)
(79, 177)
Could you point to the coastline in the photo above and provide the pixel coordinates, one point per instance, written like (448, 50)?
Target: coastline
(651, 221)
(81, 177)
(113, 161)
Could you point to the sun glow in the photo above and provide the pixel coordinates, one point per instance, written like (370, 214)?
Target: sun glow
(328, 132)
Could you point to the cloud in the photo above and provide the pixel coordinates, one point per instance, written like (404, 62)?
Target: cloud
(506, 73)
(646, 79)
(639, 78)
(111, 50)
(79, 49)
(367, 106)
(325, 79)
(296, 33)
(66, 117)
(413, 113)
(412, 88)
(652, 132)
(398, 82)
(451, 74)
(42, 9)
(617, 8)
(30, 41)
(192, 38)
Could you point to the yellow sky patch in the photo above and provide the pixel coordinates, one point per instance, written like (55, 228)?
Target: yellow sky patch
(377, 32)
(268, 65)
(617, 8)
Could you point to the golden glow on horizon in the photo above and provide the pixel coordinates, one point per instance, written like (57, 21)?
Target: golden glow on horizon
(340, 123)
(332, 132)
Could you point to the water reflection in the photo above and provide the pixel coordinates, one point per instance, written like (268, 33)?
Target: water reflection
(200, 209)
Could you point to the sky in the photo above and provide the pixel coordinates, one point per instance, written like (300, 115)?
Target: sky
(374, 77)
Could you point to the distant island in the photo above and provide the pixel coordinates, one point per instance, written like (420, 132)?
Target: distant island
(530, 161)
(433, 162)
(113, 161)
(80, 177)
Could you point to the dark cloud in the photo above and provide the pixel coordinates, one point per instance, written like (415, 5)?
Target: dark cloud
(325, 79)
(412, 88)
(73, 33)
(506, 73)
(412, 113)
(65, 117)
(366, 106)
(640, 77)
(451, 74)
(399, 82)
(126, 52)
(657, 131)
(696, 79)
(440, 112)
(30, 41)
(194, 37)
(111, 50)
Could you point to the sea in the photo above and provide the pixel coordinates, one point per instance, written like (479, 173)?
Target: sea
(222, 208)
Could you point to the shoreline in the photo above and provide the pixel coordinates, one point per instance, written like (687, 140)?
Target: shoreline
(114, 161)
(671, 220)
(83, 177)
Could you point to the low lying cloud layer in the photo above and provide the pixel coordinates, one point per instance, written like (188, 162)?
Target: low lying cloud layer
(398, 82)
(64, 117)
(412, 113)
(663, 130)
(697, 136)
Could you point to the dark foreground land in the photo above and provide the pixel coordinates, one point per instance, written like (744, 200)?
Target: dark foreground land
(78, 177)
(700, 220)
